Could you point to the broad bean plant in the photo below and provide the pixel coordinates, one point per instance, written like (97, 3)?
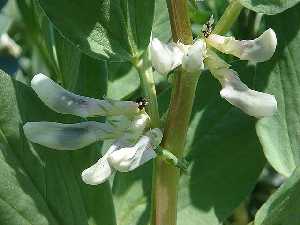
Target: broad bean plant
(149, 112)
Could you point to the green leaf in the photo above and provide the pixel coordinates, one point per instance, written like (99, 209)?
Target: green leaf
(223, 149)
(40, 186)
(283, 207)
(75, 70)
(280, 76)
(116, 30)
(161, 24)
(123, 80)
(269, 7)
(7, 16)
(132, 195)
(123, 77)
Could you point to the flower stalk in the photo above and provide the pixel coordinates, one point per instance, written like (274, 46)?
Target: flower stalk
(144, 67)
(229, 16)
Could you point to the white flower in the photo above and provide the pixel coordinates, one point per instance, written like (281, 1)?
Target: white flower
(165, 57)
(192, 60)
(126, 124)
(129, 158)
(252, 102)
(257, 50)
(122, 158)
(102, 170)
(237, 93)
(65, 102)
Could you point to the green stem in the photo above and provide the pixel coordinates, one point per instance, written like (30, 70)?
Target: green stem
(144, 68)
(230, 15)
(166, 177)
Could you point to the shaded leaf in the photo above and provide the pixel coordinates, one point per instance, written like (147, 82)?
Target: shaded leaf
(7, 15)
(283, 207)
(161, 25)
(280, 76)
(223, 149)
(269, 7)
(41, 186)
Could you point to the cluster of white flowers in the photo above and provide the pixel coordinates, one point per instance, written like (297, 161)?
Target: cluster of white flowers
(128, 125)
(193, 58)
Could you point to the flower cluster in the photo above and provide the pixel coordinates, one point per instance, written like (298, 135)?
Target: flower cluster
(127, 124)
(193, 58)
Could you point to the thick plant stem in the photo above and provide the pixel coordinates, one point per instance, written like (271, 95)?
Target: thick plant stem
(230, 15)
(166, 177)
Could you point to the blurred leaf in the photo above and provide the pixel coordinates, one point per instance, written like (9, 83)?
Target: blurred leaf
(269, 7)
(279, 134)
(161, 25)
(283, 207)
(223, 149)
(7, 16)
(28, 12)
(111, 29)
(41, 186)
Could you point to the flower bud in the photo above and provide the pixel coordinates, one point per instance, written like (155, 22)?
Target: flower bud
(129, 158)
(192, 60)
(165, 57)
(69, 136)
(257, 50)
(65, 102)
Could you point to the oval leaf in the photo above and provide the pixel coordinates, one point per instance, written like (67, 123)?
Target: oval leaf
(280, 76)
(267, 6)
(109, 29)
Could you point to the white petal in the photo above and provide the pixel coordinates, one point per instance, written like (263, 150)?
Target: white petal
(68, 136)
(252, 102)
(257, 50)
(165, 57)
(101, 170)
(129, 158)
(6, 43)
(192, 60)
(63, 101)
(97, 173)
